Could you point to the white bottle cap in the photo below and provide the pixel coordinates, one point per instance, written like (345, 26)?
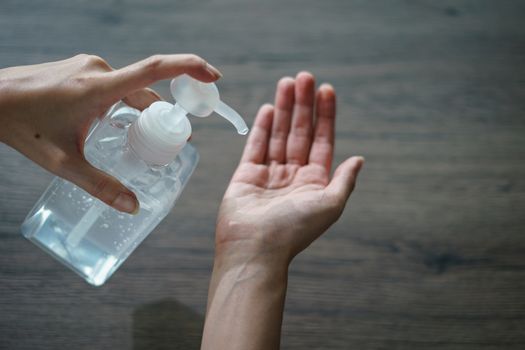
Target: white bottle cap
(159, 133)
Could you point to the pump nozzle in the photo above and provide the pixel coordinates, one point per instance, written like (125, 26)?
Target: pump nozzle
(202, 99)
(233, 117)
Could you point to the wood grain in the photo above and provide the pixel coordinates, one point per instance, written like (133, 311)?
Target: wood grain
(430, 252)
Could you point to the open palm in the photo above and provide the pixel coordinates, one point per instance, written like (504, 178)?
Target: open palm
(281, 195)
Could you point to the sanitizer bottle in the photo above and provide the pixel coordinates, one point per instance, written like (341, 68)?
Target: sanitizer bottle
(148, 153)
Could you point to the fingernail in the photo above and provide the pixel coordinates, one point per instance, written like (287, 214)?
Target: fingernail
(213, 70)
(127, 203)
(154, 93)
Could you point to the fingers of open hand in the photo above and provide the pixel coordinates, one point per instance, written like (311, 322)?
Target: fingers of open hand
(290, 137)
(141, 74)
(323, 140)
(343, 181)
(284, 104)
(300, 136)
(100, 185)
(257, 143)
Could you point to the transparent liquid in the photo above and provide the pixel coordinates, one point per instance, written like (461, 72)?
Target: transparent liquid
(87, 235)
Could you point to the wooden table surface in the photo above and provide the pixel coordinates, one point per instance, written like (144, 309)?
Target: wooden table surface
(430, 252)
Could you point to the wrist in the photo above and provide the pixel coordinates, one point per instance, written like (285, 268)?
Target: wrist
(243, 288)
(245, 264)
(252, 273)
(252, 253)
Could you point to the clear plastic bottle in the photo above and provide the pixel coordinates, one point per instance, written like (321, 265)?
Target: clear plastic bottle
(148, 153)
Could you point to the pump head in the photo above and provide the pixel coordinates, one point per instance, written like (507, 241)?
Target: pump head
(161, 131)
(202, 99)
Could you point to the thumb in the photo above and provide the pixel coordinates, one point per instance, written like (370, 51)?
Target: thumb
(343, 181)
(102, 186)
(121, 82)
(142, 99)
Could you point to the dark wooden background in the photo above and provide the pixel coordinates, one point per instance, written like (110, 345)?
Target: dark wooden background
(430, 252)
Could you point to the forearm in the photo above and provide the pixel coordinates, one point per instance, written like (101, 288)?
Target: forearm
(245, 302)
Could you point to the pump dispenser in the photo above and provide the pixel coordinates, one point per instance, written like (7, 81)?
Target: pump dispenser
(163, 128)
(148, 152)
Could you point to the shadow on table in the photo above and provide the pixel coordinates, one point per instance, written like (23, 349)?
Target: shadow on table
(166, 324)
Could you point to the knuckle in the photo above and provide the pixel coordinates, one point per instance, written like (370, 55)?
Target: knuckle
(153, 62)
(97, 61)
(100, 189)
(81, 57)
(151, 66)
(195, 61)
(279, 134)
(86, 80)
(92, 62)
(303, 132)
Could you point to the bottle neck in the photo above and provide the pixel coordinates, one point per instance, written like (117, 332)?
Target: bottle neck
(130, 164)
